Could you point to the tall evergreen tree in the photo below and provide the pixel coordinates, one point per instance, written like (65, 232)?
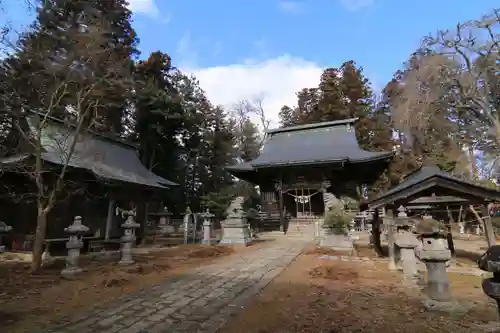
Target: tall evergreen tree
(54, 52)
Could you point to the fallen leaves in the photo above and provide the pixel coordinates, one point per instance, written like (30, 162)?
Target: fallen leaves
(320, 296)
(34, 299)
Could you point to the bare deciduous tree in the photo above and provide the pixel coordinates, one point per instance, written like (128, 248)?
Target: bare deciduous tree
(473, 49)
(245, 109)
(63, 86)
(453, 87)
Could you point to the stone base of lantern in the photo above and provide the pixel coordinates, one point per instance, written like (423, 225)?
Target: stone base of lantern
(70, 273)
(236, 235)
(210, 241)
(450, 307)
(337, 242)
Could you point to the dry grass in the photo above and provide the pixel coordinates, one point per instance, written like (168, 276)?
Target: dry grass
(321, 296)
(31, 300)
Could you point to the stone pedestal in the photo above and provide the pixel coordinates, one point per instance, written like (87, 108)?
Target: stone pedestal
(128, 238)
(336, 241)
(235, 235)
(74, 245)
(235, 229)
(207, 228)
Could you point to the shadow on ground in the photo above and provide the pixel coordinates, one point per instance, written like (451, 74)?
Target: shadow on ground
(313, 296)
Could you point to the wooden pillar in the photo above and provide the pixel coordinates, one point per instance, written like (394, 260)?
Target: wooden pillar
(280, 202)
(449, 234)
(109, 217)
(376, 233)
(488, 227)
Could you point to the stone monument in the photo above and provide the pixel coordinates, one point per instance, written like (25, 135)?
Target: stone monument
(128, 238)
(235, 229)
(186, 223)
(207, 227)
(74, 244)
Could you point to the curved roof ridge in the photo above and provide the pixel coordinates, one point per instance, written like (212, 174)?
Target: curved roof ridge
(312, 126)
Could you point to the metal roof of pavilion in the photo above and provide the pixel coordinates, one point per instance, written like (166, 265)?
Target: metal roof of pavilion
(104, 157)
(320, 143)
(446, 188)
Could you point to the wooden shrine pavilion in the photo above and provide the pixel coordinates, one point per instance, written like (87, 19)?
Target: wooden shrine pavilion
(434, 189)
(103, 172)
(299, 164)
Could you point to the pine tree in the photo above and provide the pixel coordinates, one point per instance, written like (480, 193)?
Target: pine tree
(53, 59)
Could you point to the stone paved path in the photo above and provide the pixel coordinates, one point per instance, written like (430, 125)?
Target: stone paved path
(199, 301)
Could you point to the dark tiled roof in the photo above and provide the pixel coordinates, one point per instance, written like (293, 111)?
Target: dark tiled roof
(105, 158)
(321, 143)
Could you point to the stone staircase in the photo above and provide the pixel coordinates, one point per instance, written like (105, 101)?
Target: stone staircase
(302, 228)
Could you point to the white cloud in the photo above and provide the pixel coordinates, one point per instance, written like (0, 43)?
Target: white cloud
(291, 6)
(144, 7)
(186, 52)
(276, 80)
(353, 5)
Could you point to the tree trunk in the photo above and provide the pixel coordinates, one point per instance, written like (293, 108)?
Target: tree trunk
(41, 227)
(488, 228)
(377, 244)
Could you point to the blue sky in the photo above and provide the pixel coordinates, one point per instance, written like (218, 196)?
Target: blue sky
(271, 48)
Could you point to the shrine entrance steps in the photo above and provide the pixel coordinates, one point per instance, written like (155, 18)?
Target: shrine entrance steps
(303, 228)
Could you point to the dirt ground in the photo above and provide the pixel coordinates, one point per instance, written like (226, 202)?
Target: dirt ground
(323, 296)
(29, 301)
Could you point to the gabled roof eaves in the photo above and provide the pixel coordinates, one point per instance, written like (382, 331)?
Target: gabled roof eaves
(107, 159)
(429, 175)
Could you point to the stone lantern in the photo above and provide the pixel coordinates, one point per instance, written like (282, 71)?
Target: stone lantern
(407, 242)
(4, 228)
(490, 262)
(74, 244)
(164, 218)
(128, 238)
(433, 251)
(207, 227)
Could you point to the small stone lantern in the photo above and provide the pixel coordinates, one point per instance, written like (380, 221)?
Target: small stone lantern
(407, 242)
(164, 217)
(74, 244)
(207, 227)
(433, 251)
(490, 262)
(128, 238)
